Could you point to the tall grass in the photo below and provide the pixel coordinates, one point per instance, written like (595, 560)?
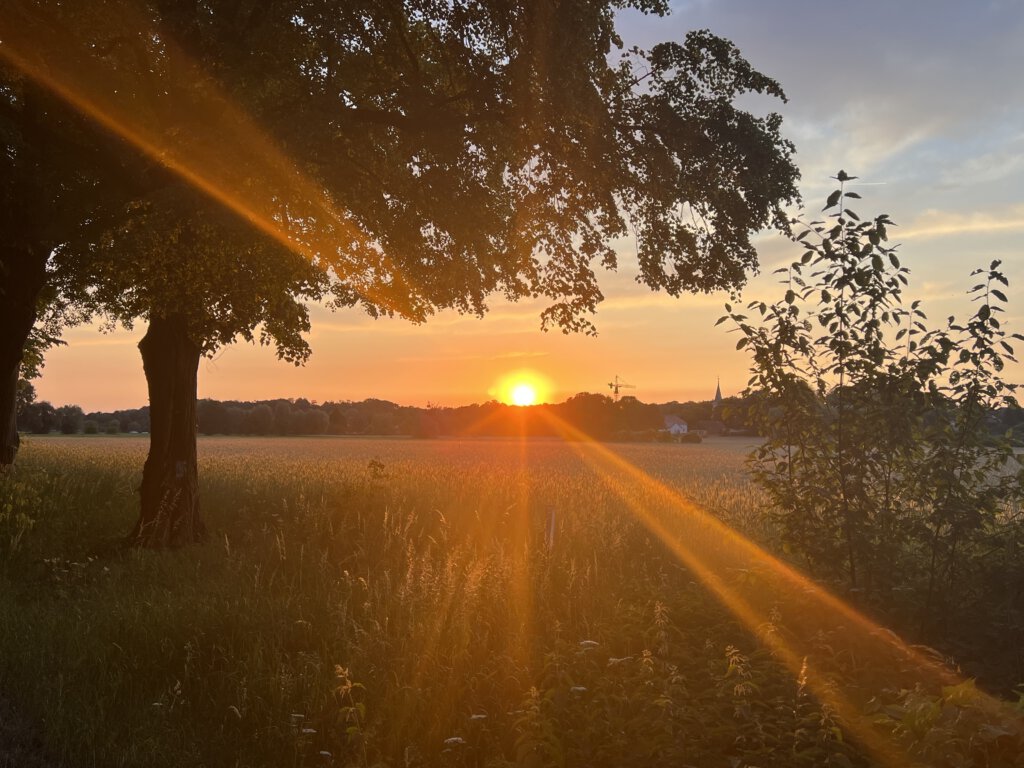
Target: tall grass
(365, 602)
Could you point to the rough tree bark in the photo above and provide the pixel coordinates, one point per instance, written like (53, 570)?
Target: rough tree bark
(22, 276)
(170, 480)
(9, 439)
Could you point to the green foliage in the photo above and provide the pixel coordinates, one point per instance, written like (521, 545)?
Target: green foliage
(951, 729)
(175, 255)
(21, 498)
(493, 149)
(879, 459)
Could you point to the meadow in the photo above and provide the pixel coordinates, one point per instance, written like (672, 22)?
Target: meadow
(452, 603)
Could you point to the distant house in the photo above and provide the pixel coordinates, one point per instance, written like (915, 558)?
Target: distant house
(675, 426)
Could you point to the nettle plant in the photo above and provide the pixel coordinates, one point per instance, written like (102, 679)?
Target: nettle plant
(878, 455)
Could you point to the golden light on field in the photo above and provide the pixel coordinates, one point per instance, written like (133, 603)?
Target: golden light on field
(715, 553)
(523, 387)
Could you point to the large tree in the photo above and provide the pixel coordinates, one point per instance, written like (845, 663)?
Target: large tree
(61, 175)
(200, 277)
(46, 186)
(436, 153)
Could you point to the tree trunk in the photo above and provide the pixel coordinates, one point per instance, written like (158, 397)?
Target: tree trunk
(9, 439)
(22, 276)
(170, 479)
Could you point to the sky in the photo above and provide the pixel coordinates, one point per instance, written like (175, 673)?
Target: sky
(921, 100)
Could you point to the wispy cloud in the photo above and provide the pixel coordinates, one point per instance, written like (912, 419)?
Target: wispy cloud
(1001, 162)
(936, 223)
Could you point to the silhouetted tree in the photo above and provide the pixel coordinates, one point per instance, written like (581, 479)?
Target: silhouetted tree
(71, 419)
(494, 148)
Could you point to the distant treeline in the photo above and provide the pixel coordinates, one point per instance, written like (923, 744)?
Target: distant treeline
(595, 415)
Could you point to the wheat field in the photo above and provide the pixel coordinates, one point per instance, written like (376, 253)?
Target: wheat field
(396, 602)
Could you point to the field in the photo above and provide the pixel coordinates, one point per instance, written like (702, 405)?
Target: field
(483, 603)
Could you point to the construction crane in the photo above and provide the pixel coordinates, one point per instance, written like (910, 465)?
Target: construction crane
(618, 384)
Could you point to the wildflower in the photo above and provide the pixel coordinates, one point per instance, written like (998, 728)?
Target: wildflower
(454, 741)
(586, 645)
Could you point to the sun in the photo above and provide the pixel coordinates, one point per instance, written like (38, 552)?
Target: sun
(523, 394)
(523, 387)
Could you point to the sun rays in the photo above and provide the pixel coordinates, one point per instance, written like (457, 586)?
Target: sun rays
(225, 147)
(719, 556)
(175, 114)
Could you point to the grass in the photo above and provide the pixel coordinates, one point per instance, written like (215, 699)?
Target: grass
(365, 602)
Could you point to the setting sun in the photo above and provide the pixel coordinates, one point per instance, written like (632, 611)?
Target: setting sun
(522, 387)
(523, 394)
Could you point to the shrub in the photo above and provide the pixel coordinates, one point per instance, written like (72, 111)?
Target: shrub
(878, 457)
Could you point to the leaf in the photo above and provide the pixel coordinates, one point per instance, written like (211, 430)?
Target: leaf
(741, 343)
(999, 294)
(832, 199)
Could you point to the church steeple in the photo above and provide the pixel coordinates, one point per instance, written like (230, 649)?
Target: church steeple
(717, 402)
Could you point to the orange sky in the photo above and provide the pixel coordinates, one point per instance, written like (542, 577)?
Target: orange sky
(668, 348)
(665, 347)
(950, 177)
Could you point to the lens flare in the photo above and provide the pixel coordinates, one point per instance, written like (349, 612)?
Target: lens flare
(754, 585)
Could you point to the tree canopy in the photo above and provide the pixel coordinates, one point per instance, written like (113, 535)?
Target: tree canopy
(453, 151)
